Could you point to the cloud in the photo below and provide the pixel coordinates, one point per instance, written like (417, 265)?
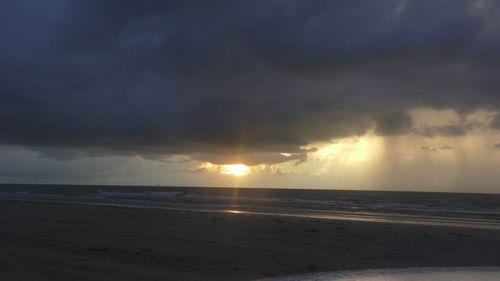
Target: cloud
(253, 158)
(210, 78)
(394, 123)
(454, 130)
(436, 148)
(495, 123)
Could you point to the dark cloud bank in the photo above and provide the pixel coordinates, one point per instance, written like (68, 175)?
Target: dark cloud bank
(237, 77)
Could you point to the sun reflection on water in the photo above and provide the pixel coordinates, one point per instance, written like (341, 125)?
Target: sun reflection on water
(235, 212)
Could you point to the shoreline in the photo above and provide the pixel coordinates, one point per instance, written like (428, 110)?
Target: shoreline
(324, 215)
(57, 241)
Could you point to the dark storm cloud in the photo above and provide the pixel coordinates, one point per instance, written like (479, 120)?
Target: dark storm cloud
(393, 123)
(253, 158)
(237, 77)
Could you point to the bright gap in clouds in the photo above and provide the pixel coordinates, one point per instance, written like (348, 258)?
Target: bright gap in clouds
(238, 170)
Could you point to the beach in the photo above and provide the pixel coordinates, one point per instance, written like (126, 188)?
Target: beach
(64, 241)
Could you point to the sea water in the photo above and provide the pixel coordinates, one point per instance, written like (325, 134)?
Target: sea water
(474, 210)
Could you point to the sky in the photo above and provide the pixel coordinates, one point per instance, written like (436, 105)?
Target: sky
(348, 94)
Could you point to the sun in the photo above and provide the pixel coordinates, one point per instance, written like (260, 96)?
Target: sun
(238, 170)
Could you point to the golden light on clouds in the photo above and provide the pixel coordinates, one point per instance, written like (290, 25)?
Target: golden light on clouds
(238, 170)
(350, 150)
(346, 158)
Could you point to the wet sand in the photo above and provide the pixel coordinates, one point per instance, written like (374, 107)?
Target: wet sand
(54, 241)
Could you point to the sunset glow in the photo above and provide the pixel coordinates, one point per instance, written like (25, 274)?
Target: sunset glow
(236, 140)
(386, 103)
(238, 170)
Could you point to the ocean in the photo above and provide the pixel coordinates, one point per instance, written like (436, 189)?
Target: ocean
(457, 209)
